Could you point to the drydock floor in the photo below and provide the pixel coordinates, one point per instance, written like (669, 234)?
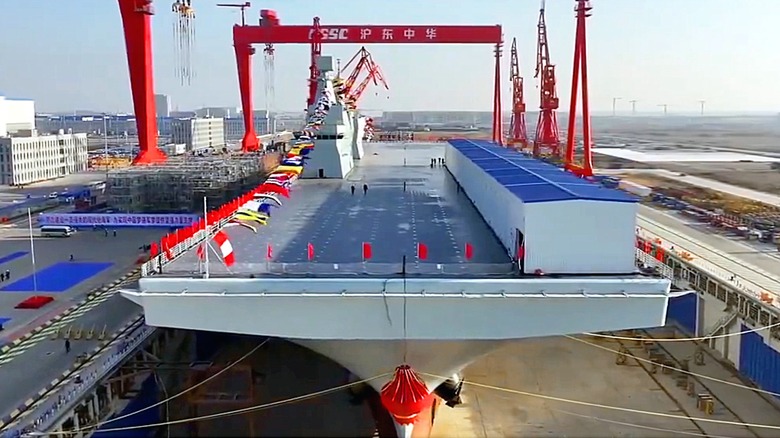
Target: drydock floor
(407, 202)
(574, 370)
(557, 367)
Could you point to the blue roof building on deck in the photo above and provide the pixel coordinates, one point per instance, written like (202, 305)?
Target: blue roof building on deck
(532, 180)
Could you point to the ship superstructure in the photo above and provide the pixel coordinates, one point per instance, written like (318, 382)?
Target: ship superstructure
(339, 138)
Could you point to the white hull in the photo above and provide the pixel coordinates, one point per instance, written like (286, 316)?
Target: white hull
(367, 359)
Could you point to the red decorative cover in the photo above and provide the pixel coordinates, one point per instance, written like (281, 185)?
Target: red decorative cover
(406, 395)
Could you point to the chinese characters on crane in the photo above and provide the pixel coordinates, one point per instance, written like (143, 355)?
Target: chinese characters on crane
(407, 34)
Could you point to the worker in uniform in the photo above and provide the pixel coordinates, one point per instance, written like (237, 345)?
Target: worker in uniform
(365, 189)
(352, 189)
(67, 346)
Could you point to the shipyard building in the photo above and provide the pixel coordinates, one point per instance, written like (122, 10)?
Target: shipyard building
(163, 104)
(199, 133)
(26, 157)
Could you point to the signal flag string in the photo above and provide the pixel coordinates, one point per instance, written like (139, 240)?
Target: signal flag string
(698, 338)
(690, 373)
(233, 412)
(609, 407)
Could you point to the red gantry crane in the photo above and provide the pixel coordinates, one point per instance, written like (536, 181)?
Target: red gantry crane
(518, 136)
(546, 141)
(580, 70)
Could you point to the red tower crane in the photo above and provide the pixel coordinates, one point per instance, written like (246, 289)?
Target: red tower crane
(316, 51)
(518, 136)
(580, 71)
(546, 141)
(364, 62)
(374, 75)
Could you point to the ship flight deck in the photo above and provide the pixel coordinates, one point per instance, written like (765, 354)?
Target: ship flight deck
(407, 202)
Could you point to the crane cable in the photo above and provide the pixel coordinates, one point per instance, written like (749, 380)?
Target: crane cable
(698, 338)
(233, 412)
(640, 426)
(185, 391)
(690, 373)
(608, 407)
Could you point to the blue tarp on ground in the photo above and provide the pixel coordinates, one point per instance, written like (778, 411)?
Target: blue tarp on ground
(57, 278)
(13, 256)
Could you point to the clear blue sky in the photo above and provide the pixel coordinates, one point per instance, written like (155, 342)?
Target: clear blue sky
(69, 54)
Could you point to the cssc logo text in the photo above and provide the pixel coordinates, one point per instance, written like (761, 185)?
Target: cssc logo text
(331, 34)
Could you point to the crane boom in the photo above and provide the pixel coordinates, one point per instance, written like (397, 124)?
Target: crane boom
(364, 63)
(547, 140)
(517, 129)
(242, 6)
(374, 75)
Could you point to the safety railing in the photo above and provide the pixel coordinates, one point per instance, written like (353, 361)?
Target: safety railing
(712, 270)
(351, 269)
(158, 263)
(63, 397)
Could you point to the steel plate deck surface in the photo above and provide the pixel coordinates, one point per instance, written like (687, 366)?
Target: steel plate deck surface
(325, 213)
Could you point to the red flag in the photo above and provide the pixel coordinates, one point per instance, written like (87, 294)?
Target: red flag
(166, 246)
(310, 251)
(366, 251)
(154, 249)
(422, 251)
(469, 251)
(201, 253)
(179, 236)
(269, 252)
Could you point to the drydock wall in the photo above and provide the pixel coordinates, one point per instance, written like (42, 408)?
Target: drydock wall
(564, 224)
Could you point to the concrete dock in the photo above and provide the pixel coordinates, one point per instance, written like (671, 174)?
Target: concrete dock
(586, 370)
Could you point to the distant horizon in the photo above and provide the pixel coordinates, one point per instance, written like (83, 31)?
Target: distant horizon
(620, 114)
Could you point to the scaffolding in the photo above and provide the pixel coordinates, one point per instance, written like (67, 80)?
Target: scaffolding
(180, 184)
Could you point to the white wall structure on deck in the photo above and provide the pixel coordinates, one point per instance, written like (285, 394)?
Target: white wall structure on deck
(332, 156)
(359, 124)
(566, 224)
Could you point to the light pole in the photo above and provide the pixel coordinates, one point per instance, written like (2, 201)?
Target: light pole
(614, 103)
(105, 143)
(633, 107)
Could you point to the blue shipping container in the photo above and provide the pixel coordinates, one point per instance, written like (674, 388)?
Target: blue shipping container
(758, 361)
(682, 312)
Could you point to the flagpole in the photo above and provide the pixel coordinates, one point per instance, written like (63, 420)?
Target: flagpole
(206, 242)
(32, 252)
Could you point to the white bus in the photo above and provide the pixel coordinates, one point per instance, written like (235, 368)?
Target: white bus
(57, 231)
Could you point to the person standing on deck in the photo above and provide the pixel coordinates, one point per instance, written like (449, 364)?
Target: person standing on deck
(365, 189)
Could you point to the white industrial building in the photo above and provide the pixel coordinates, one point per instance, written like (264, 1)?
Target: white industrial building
(26, 160)
(564, 224)
(199, 133)
(223, 112)
(16, 115)
(234, 127)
